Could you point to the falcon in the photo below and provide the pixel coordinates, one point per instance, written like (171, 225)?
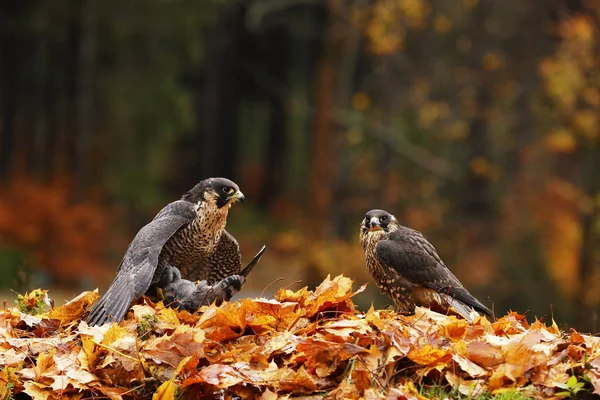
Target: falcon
(408, 269)
(189, 235)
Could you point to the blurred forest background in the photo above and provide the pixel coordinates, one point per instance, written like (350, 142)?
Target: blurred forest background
(476, 122)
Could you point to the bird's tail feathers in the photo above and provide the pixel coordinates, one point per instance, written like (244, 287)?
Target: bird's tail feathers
(466, 311)
(112, 306)
(254, 261)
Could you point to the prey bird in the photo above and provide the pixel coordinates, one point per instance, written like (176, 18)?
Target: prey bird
(189, 296)
(188, 235)
(408, 269)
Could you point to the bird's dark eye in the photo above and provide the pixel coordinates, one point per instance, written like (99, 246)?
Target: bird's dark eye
(384, 218)
(228, 190)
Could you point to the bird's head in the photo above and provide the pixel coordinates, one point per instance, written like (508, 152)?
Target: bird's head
(378, 221)
(221, 191)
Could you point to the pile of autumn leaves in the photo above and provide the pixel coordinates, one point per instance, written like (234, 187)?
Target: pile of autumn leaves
(298, 343)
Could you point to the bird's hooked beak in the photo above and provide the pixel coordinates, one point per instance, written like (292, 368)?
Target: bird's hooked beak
(238, 196)
(374, 225)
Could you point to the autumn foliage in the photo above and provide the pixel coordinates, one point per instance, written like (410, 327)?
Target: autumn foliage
(297, 343)
(61, 235)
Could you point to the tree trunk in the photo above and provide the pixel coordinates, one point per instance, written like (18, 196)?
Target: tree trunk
(324, 153)
(85, 95)
(589, 258)
(10, 54)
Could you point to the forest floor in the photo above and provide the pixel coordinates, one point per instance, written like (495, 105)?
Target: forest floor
(298, 344)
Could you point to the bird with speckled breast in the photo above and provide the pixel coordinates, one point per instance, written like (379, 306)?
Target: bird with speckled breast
(408, 269)
(189, 235)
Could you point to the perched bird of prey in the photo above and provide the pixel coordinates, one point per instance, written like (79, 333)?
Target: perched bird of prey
(189, 296)
(408, 269)
(188, 234)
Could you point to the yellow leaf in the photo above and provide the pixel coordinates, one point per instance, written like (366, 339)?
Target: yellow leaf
(37, 391)
(299, 296)
(44, 363)
(166, 391)
(114, 332)
(74, 309)
(428, 355)
(168, 315)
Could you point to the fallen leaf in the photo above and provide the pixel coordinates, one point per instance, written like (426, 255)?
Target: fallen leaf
(429, 355)
(74, 309)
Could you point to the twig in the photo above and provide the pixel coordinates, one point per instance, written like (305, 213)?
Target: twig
(116, 351)
(269, 285)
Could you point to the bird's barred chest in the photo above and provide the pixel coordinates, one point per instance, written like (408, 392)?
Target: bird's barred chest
(391, 283)
(195, 241)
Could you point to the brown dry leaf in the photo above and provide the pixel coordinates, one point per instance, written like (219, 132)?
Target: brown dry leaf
(484, 354)
(472, 388)
(35, 346)
(143, 312)
(322, 357)
(471, 368)
(345, 329)
(119, 362)
(330, 293)
(268, 395)
(295, 380)
(346, 390)
(269, 315)
(283, 347)
(74, 309)
(520, 354)
(11, 357)
(172, 349)
(594, 375)
(511, 324)
(454, 328)
(552, 376)
(223, 323)
(219, 375)
(363, 373)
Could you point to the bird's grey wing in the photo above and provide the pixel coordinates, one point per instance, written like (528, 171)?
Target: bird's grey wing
(135, 273)
(224, 261)
(413, 257)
